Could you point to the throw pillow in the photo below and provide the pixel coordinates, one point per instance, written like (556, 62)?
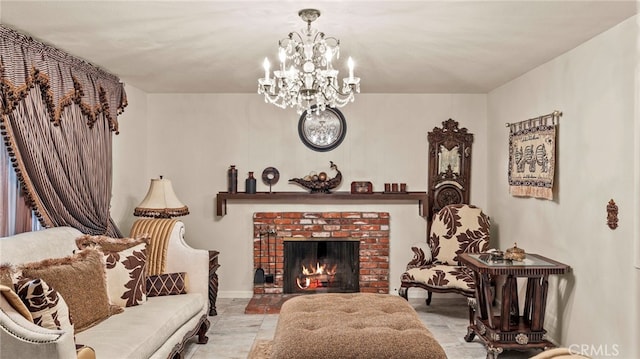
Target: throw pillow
(166, 284)
(126, 260)
(6, 275)
(15, 302)
(47, 307)
(80, 279)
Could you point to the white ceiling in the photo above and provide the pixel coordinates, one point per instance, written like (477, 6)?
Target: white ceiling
(398, 46)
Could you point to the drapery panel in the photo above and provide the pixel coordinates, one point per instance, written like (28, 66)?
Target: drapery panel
(15, 215)
(58, 116)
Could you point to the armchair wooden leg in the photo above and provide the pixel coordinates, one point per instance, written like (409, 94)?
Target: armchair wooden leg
(404, 293)
(429, 294)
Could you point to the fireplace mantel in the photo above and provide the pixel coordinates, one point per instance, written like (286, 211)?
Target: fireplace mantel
(304, 197)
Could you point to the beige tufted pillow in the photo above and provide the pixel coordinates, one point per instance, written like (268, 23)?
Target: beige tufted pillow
(81, 280)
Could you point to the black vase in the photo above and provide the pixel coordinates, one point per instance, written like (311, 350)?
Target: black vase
(250, 184)
(232, 175)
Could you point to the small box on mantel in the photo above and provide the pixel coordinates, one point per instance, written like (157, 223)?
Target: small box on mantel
(361, 187)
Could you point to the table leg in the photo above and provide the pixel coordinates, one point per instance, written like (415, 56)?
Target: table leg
(473, 310)
(509, 298)
(481, 299)
(528, 302)
(539, 303)
(485, 305)
(480, 307)
(514, 319)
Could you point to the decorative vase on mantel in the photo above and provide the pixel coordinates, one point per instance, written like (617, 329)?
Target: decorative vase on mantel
(232, 176)
(250, 184)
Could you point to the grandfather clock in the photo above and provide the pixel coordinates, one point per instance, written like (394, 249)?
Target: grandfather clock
(449, 166)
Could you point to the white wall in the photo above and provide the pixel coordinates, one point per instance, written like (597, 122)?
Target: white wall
(593, 85)
(193, 138)
(130, 160)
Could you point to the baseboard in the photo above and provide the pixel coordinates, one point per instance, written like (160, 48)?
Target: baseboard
(235, 294)
(415, 293)
(422, 294)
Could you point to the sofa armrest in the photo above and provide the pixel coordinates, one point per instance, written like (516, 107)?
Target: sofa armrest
(421, 255)
(183, 258)
(21, 338)
(170, 253)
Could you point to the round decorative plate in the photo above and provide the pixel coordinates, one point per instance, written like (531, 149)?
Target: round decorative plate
(270, 176)
(322, 131)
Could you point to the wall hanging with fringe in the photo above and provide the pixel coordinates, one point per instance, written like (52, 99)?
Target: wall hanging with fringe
(532, 156)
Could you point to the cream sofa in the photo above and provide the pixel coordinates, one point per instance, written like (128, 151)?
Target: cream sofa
(158, 328)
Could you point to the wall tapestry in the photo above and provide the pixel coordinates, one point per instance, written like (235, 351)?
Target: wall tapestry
(532, 156)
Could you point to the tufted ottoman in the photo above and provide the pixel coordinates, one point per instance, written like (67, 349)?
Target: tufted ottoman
(353, 325)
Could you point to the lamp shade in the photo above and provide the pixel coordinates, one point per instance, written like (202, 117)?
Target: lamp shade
(161, 201)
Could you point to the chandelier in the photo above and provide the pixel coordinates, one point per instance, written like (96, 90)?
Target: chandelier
(306, 79)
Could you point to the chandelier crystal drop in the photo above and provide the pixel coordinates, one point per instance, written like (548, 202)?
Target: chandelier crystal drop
(306, 79)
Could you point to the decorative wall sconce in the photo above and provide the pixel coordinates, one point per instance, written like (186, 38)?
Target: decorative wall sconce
(612, 214)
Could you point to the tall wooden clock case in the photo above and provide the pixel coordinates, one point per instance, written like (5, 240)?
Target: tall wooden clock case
(449, 166)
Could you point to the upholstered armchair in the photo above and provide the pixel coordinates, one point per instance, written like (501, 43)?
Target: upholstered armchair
(456, 229)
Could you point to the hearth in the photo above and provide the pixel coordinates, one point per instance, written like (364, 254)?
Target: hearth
(326, 265)
(360, 262)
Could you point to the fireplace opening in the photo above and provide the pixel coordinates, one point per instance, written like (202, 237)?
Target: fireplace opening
(319, 266)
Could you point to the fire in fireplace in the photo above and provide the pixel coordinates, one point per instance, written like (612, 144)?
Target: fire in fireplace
(322, 276)
(324, 265)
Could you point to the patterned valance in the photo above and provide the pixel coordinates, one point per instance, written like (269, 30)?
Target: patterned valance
(57, 117)
(62, 78)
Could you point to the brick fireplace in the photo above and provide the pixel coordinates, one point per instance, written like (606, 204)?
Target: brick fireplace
(371, 229)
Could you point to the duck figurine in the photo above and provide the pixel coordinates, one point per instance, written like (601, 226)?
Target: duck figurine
(320, 183)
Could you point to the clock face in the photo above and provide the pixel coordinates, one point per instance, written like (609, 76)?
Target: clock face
(322, 131)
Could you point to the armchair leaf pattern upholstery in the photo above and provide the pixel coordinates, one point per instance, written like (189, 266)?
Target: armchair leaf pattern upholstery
(456, 229)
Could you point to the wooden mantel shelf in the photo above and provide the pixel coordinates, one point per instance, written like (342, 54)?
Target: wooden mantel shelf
(305, 197)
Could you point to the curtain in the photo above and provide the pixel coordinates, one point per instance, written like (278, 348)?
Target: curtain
(5, 194)
(15, 215)
(58, 116)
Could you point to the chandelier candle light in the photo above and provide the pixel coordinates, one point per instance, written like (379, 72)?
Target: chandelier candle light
(306, 79)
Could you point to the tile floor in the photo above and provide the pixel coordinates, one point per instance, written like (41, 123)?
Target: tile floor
(232, 332)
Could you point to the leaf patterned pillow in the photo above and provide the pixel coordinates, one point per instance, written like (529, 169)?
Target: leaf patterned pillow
(126, 261)
(48, 308)
(125, 276)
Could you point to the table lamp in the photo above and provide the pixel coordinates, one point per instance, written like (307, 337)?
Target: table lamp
(161, 201)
